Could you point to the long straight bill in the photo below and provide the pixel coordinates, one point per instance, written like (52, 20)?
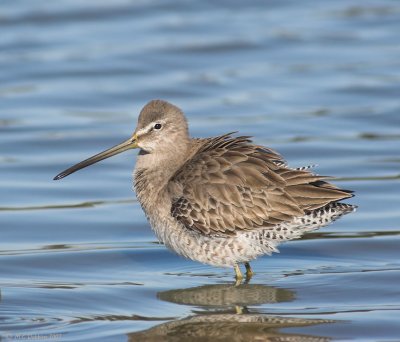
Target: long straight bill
(124, 146)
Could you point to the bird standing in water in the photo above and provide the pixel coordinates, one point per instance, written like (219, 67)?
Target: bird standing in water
(223, 200)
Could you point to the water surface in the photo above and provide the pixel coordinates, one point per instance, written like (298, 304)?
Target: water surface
(318, 81)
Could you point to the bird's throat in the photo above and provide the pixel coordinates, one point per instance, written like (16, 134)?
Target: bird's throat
(152, 173)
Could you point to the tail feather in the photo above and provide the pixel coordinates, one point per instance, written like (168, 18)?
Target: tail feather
(312, 220)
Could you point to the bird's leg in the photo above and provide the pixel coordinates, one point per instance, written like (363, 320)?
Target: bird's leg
(249, 271)
(238, 274)
(239, 310)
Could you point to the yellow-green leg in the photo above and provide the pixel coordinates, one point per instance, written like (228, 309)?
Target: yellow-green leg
(239, 309)
(238, 273)
(249, 271)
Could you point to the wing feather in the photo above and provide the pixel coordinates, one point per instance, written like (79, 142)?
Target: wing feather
(230, 185)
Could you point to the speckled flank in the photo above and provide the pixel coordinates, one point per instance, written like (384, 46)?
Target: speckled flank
(226, 251)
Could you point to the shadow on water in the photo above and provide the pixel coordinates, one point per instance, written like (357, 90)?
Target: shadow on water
(222, 313)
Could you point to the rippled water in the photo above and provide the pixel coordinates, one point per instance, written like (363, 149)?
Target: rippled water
(317, 80)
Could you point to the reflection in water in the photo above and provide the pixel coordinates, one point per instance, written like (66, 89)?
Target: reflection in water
(224, 316)
(227, 295)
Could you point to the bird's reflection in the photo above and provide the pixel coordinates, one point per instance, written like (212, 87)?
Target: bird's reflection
(224, 295)
(222, 313)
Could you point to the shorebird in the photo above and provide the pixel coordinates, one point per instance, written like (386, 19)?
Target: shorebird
(224, 200)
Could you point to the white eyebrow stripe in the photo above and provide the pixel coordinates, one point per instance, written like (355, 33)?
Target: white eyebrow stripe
(149, 127)
(145, 130)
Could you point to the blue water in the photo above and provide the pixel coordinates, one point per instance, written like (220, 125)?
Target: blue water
(319, 81)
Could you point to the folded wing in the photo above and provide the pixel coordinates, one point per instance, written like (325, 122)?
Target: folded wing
(232, 185)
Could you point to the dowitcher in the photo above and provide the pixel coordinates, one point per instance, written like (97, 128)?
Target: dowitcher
(223, 200)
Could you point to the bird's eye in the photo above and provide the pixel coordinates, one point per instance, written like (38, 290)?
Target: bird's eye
(157, 126)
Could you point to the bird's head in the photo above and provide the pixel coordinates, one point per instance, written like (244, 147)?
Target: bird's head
(161, 128)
